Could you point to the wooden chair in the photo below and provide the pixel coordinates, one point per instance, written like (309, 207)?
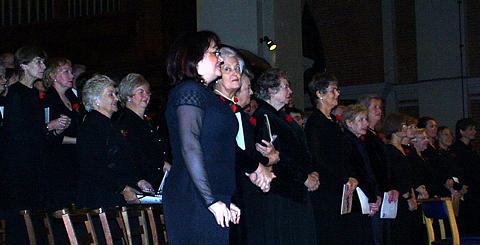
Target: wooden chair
(441, 210)
(157, 226)
(3, 232)
(76, 220)
(112, 225)
(135, 224)
(38, 224)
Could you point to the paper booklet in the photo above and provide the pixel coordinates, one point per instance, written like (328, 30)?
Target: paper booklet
(346, 201)
(389, 209)
(47, 114)
(363, 201)
(154, 199)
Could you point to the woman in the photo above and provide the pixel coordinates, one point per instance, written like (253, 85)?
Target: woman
(450, 169)
(61, 158)
(356, 122)
(431, 127)
(288, 218)
(26, 132)
(202, 129)
(144, 144)
(102, 179)
(326, 142)
(401, 180)
(469, 160)
(249, 162)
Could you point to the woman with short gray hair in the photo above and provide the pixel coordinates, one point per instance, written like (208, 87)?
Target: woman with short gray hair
(145, 145)
(101, 181)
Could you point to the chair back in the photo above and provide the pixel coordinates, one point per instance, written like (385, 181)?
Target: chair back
(135, 224)
(79, 226)
(440, 209)
(112, 225)
(38, 224)
(157, 225)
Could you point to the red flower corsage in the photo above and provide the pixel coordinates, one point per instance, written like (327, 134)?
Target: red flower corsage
(234, 107)
(76, 107)
(147, 117)
(289, 118)
(338, 117)
(252, 121)
(42, 95)
(124, 132)
(235, 99)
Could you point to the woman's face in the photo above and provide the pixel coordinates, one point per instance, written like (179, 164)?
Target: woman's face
(411, 131)
(63, 76)
(420, 142)
(431, 129)
(245, 92)
(283, 94)
(375, 111)
(107, 102)
(402, 133)
(230, 81)
(209, 66)
(140, 97)
(359, 125)
(469, 133)
(329, 99)
(34, 68)
(445, 137)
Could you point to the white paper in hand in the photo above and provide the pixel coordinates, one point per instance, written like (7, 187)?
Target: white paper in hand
(389, 209)
(363, 201)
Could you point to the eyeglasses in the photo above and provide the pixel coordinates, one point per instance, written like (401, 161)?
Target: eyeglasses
(285, 86)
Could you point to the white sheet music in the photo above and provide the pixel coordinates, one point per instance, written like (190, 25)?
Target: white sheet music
(363, 201)
(240, 138)
(389, 209)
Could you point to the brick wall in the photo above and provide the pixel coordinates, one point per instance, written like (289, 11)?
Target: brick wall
(351, 33)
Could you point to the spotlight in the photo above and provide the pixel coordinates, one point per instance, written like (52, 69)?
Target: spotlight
(270, 44)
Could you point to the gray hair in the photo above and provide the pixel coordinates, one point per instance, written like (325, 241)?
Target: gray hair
(269, 83)
(129, 83)
(93, 89)
(226, 52)
(367, 99)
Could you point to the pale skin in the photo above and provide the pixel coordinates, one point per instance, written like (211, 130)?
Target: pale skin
(62, 82)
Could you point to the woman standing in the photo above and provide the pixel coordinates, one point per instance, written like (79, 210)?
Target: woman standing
(202, 129)
(61, 158)
(102, 179)
(288, 212)
(144, 144)
(326, 142)
(26, 132)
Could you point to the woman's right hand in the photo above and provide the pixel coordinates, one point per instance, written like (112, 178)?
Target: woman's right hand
(221, 213)
(59, 124)
(130, 195)
(393, 196)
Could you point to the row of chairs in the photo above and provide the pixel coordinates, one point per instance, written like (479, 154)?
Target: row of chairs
(125, 225)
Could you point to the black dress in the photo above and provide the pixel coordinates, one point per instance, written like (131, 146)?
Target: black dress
(202, 133)
(247, 195)
(469, 160)
(61, 161)
(288, 212)
(102, 176)
(21, 169)
(144, 144)
(326, 142)
(405, 227)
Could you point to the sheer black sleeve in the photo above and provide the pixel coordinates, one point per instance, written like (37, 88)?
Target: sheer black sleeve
(190, 115)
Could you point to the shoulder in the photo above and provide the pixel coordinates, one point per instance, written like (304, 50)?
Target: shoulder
(190, 93)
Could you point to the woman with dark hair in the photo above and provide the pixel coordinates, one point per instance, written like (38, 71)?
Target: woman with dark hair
(431, 128)
(61, 158)
(469, 161)
(202, 129)
(26, 132)
(401, 180)
(326, 141)
(449, 169)
(288, 218)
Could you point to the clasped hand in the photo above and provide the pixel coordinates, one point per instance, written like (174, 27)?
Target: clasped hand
(224, 215)
(313, 181)
(59, 124)
(262, 177)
